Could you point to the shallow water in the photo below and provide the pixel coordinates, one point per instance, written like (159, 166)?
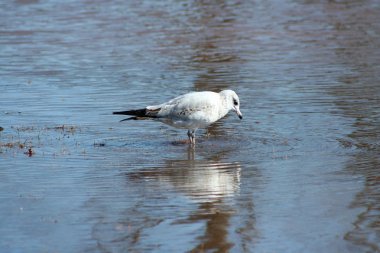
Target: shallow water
(300, 172)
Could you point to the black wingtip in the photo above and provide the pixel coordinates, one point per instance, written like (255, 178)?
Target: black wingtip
(120, 113)
(138, 113)
(131, 118)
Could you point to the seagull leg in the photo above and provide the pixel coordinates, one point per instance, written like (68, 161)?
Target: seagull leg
(191, 135)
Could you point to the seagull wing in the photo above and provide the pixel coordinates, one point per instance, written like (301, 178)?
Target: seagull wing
(187, 105)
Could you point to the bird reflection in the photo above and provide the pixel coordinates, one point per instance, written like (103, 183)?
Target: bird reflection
(207, 183)
(203, 180)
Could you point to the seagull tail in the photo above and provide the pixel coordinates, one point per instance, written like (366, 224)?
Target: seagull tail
(139, 114)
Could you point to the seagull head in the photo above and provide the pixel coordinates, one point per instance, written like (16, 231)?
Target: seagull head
(233, 102)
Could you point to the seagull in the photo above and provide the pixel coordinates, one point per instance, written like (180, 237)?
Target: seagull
(190, 111)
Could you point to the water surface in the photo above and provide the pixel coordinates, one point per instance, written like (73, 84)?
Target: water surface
(300, 172)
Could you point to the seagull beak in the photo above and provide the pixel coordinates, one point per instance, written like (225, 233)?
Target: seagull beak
(239, 113)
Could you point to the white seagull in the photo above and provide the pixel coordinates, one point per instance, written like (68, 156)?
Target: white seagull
(190, 111)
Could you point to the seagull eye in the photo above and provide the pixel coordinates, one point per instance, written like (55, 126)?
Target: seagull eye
(235, 102)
